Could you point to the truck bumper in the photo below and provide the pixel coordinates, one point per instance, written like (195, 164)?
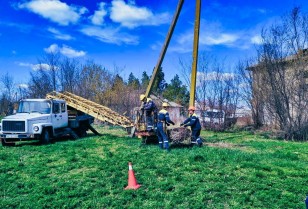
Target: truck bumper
(18, 137)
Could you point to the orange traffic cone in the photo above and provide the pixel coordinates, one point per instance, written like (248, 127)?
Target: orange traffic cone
(132, 183)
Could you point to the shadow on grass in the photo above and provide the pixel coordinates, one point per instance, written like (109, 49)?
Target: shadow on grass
(53, 141)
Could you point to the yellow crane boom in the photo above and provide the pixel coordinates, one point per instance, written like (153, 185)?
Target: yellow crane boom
(195, 55)
(165, 46)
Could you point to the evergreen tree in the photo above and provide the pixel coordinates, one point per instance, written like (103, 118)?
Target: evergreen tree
(160, 78)
(133, 81)
(145, 79)
(176, 91)
(118, 81)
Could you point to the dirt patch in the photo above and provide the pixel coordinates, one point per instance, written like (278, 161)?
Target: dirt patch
(221, 144)
(225, 145)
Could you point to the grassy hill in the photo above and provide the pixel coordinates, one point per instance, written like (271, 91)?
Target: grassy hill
(232, 170)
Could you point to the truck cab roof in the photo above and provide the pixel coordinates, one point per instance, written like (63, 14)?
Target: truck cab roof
(42, 100)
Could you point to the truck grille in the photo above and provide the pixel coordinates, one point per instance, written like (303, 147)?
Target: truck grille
(18, 126)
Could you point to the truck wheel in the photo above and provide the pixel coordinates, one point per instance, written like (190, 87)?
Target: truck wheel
(82, 132)
(4, 143)
(45, 137)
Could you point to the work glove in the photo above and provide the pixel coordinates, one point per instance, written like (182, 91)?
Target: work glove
(182, 124)
(167, 124)
(172, 123)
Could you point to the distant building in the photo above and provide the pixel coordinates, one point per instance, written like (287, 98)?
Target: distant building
(174, 109)
(293, 70)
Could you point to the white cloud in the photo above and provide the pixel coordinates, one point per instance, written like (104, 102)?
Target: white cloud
(53, 48)
(54, 10)
(215, 34)
(35, 67)
(185, 41)
(131, 16)
(58, 35)
(98, 17)
(215, 76)
(23, 86)
(256, 40)
(262, 11)
(110, 35)
(65, 50)
(70, 52)
(212, 35)
(23, 64)
(219, 39)
(42, 66)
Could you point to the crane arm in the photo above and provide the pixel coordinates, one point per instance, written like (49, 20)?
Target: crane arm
(195, 55)
(164, 49)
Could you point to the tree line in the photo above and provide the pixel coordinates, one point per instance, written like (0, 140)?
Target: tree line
(91, 81)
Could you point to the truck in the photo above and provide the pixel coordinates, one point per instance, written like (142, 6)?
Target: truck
(43, 119)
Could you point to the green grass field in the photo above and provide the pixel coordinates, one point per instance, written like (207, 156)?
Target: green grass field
(232, 170)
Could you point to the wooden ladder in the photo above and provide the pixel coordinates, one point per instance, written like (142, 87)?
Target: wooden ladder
(97, 111)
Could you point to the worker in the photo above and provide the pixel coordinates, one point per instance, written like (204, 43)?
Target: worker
(194, 123)
(143, 99)
(150, 111)
(163, 118)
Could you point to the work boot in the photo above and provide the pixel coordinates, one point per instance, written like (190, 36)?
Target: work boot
(166, 145)
(199, 142)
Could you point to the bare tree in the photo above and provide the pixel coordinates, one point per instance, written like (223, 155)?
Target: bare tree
(7, 97)
(45, 78)
(8, 83)
(68, 75)
(282, 64)
(252, 99)
(215, 89)
(51, 63)
(94, 80)
(39, 84)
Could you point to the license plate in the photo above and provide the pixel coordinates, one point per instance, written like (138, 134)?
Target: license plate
(12, 136)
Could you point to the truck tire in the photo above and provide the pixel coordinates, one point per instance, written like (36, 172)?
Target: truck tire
(82, 132)
(4, 143)
(45, 137)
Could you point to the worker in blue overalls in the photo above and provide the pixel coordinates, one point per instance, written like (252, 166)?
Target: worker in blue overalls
(194, 123)
(163, 118)
(150, 111)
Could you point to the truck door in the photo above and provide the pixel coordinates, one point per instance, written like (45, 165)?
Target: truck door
(59, 116)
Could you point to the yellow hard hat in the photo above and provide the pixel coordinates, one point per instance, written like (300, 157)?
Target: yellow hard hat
(165, 104)
(149, 99)
(192, 108)
(142, 96)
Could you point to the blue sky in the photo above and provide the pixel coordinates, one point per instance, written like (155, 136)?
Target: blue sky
(128, 34)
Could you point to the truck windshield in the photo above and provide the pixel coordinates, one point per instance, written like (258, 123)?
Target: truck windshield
(42, 107)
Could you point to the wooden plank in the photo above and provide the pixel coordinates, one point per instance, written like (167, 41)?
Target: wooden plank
(97, 111)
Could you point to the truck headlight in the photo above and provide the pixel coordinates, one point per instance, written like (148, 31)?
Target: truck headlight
(36, 128)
